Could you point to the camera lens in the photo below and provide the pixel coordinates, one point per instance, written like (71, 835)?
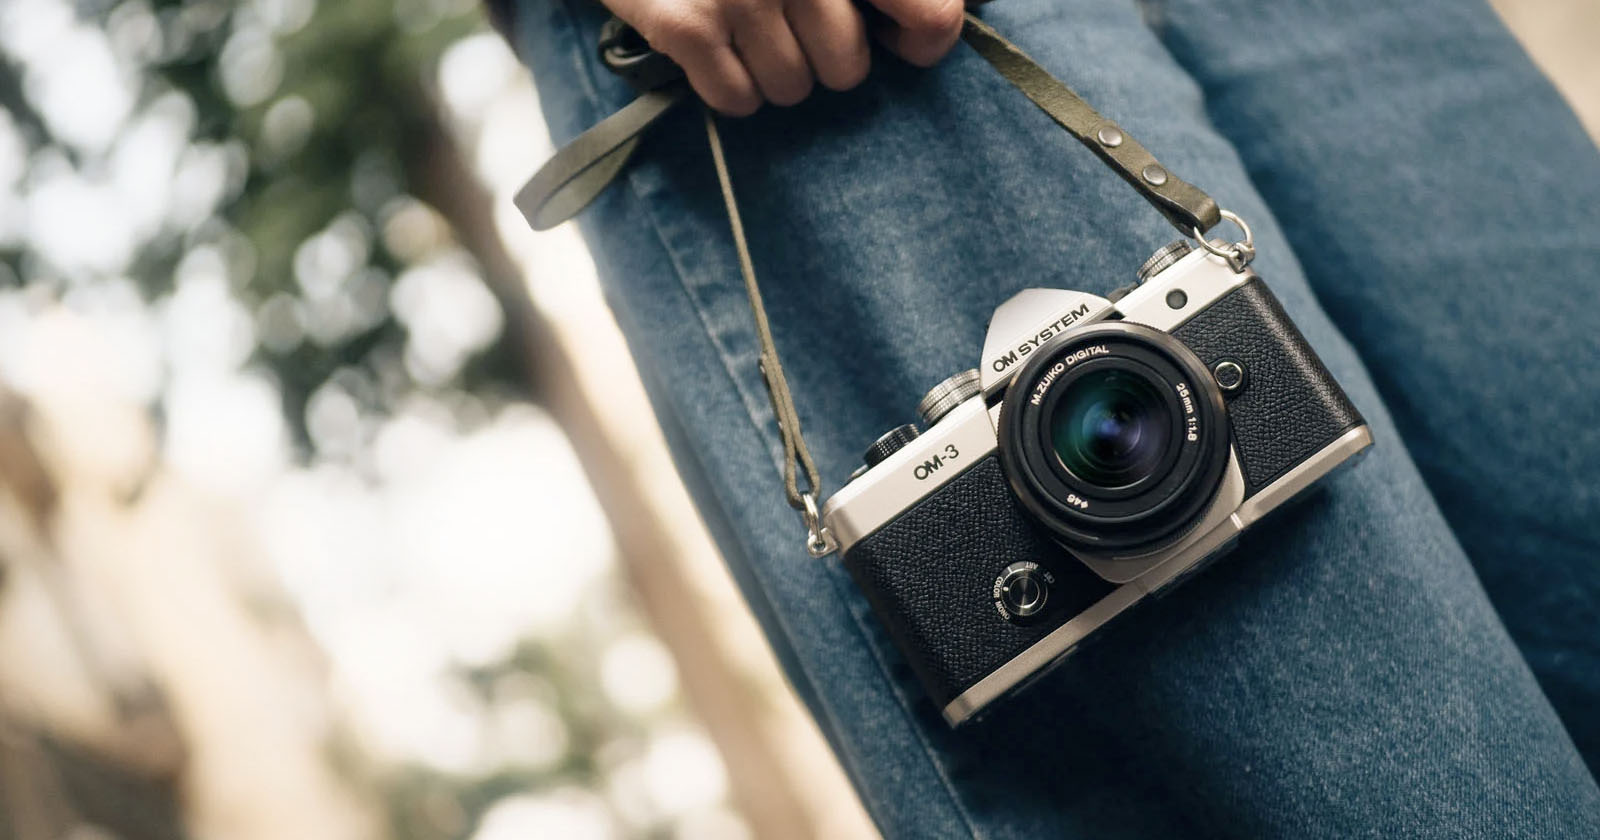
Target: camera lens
(1114, 436)
(1111, 428)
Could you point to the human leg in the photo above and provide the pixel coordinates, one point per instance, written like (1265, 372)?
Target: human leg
(1445, 206)
(1341, 673)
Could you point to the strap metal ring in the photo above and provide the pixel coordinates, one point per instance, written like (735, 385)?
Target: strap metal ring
(819, 543)
(1238, 254)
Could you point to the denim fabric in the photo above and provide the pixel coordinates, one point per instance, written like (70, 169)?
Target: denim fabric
(1457, 247)
(1426, 209)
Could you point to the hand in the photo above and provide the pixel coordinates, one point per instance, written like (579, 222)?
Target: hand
(739, 53)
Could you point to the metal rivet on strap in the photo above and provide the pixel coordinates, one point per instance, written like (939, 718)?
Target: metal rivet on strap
(1110, 137)
(1155, 175)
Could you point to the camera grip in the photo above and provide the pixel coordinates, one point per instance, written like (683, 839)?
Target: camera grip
(1290, 406)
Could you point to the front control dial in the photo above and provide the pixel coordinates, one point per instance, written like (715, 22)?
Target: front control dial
(891, 442)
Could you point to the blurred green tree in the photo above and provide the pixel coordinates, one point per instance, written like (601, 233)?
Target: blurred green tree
(327, 118)
(337, 175)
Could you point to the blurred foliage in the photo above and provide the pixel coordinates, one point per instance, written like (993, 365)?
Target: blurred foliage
(425, 803)
(328, 115)
(341, 186)
(338, 124)
(101, 792)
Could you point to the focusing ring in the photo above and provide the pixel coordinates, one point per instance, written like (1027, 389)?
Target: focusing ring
(1151, 511)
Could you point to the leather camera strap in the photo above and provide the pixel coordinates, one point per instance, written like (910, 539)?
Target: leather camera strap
(1186, 206)
(796, 457)
(583, 168)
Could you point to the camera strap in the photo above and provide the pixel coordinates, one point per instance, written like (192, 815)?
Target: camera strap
(796, 457)
(1186, 206)
(582, 169)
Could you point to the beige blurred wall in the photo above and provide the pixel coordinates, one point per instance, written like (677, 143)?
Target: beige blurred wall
(1563, 36)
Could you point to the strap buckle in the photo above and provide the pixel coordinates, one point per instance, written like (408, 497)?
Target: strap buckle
(626, 53)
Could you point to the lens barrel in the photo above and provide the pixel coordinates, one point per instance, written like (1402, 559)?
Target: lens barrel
(1114, 437)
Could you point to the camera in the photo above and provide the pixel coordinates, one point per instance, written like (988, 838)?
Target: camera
(1104, 450)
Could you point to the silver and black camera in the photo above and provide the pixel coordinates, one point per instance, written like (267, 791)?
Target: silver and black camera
(1104, 450)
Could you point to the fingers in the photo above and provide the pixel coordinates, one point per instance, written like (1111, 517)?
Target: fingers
(762, 37)
(923, 30)
(738, 53)
(723, 81)
(699, 40)
(834, 39)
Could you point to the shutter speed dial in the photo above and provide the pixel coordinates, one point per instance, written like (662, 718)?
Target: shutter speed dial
(1163, 259)
(947, 395)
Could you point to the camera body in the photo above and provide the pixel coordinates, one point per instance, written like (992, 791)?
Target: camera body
(1103, 451)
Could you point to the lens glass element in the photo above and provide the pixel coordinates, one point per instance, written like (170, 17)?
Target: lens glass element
(1111, 428)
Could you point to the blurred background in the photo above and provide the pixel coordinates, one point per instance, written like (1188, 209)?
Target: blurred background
(313, 523)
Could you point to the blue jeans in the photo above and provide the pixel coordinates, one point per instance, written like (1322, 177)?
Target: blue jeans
(1413, 652)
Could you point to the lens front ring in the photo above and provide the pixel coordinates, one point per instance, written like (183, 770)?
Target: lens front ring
(1143, 499)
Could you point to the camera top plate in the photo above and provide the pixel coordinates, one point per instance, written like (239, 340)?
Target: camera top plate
(1025, 322)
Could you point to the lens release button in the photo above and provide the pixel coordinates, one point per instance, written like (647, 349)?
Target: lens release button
(1022, 590)
(1229, 375)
